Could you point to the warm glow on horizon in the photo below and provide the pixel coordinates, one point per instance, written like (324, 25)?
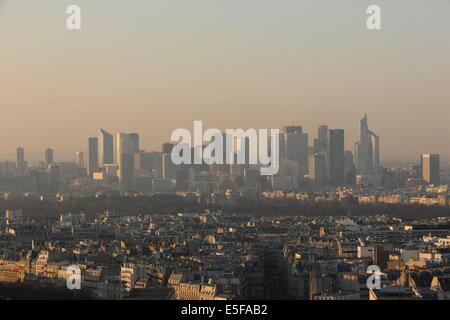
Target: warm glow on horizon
(153, 66)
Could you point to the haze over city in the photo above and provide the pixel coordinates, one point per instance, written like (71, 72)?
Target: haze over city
(155, 66)
(228, 152)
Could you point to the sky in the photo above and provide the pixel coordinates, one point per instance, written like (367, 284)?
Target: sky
(152, 66)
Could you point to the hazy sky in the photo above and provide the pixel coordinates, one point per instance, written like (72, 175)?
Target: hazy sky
(152, 66)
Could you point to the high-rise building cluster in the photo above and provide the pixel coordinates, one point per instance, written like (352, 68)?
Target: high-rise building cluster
(116, 162)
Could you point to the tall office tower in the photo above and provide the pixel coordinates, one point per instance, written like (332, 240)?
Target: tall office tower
(169, 169)
(105, 148)
(134, 140)
(124, 145)
(20, 161)
(92, 165)
(48, 157)
(317, 169)
(296, 146)
(367, 151)
(127, 172)
(321, 143)
(348, 161)
(335, 157)
(430, 168)
(349, 168)
(80, 159)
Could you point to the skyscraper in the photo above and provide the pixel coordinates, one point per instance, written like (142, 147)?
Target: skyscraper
(92, 165)
(430, 168)
(335, 161)
(134, 140)
(80, 159)
(126, 143)
(320, 144)
(169, 168)
(127, 172)
(349, 168)
(317, 169)
(296, 146)
(127, 147)
(20, 161)
(348, 162)
(48, 157)
(106, 148)
(367, 151)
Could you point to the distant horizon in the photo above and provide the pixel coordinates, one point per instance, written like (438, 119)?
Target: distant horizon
(70, 156)
(35, 156)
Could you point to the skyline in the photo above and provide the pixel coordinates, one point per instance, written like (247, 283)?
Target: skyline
(154, 67)
(70, 156)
